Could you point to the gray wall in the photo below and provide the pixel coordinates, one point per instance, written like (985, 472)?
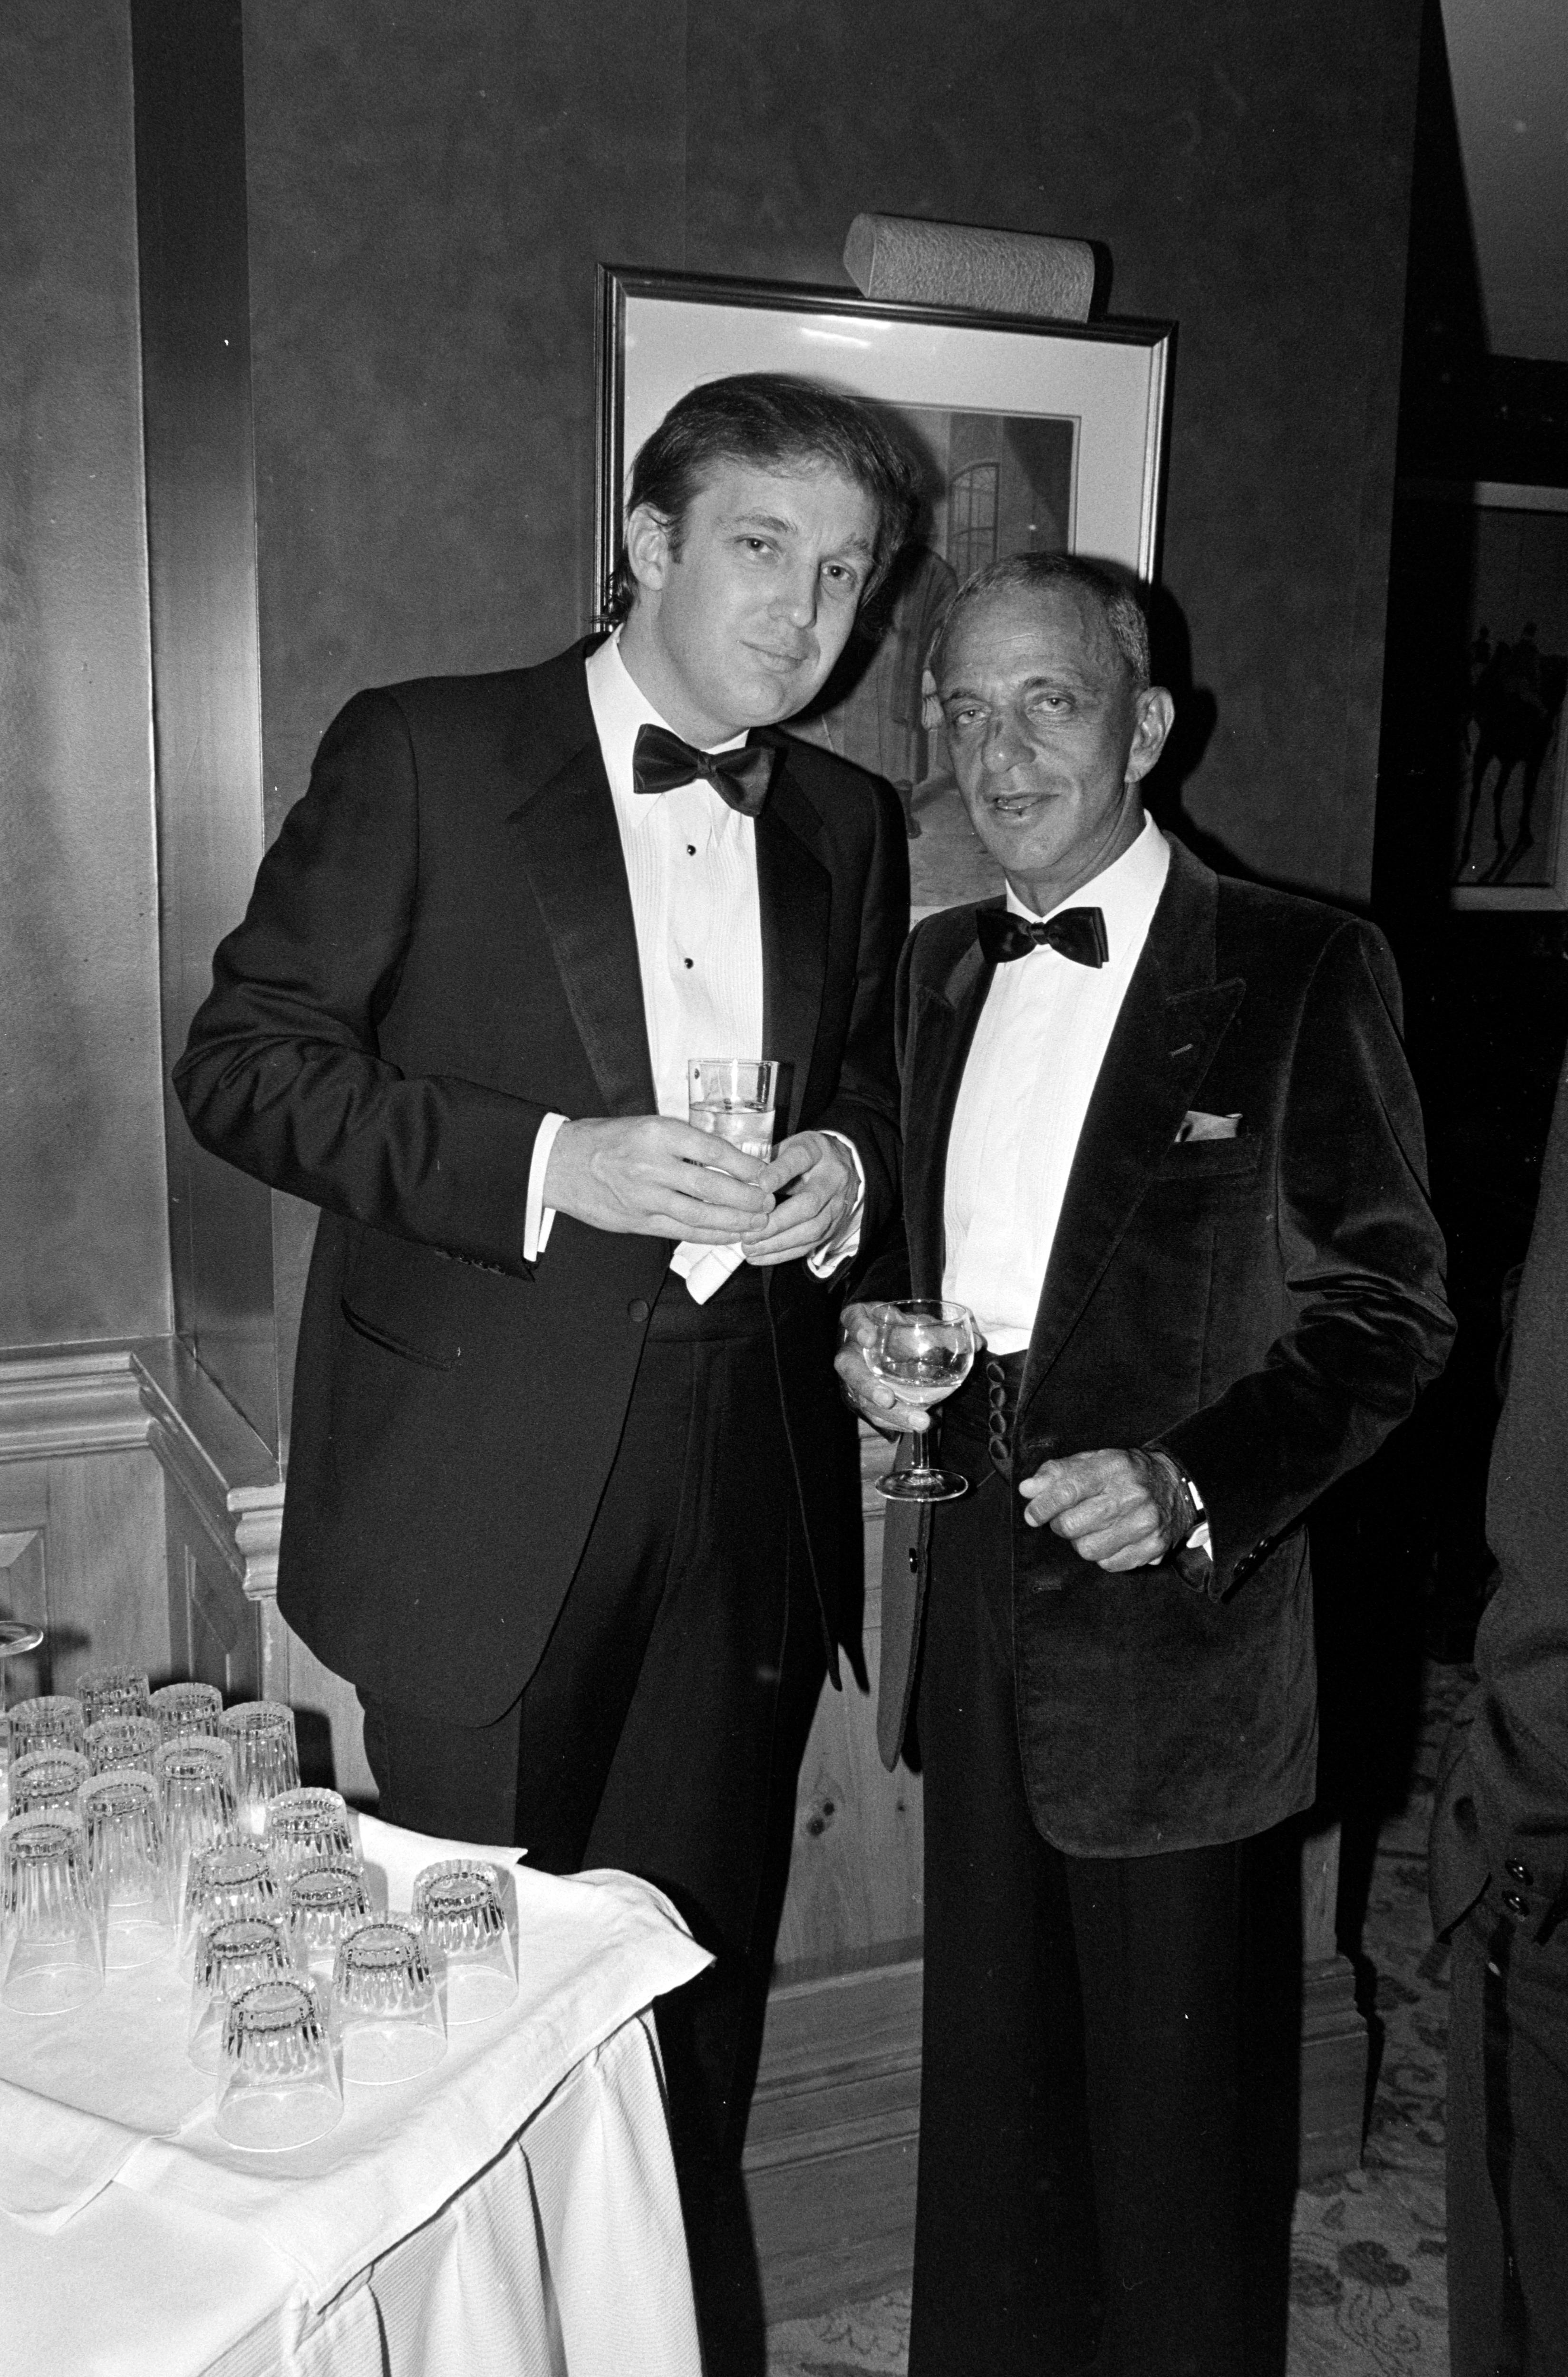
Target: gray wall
(83, 1232)
(429, 192)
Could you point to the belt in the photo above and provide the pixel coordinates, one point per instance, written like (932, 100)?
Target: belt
(985, 1406)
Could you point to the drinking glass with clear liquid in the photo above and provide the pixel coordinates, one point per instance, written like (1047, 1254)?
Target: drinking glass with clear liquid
(733, 1098)
(923, 1349)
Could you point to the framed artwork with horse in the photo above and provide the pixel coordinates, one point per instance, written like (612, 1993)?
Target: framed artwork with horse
(1491, 669)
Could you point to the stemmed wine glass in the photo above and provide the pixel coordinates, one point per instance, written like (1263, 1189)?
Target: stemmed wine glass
(923, 1349)
(16, 1637)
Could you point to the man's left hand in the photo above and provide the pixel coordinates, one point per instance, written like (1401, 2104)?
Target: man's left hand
(1120, 1509)
(817, 1207)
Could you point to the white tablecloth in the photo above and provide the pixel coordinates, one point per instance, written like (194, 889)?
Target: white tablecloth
(517, 2212)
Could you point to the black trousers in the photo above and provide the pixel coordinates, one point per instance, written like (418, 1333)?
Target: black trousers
(1507, 2148)
(1079, 2187)
(663, 1730)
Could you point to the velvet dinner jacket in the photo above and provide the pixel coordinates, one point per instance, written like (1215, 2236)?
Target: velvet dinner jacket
(439, 951)
(1266, 1306)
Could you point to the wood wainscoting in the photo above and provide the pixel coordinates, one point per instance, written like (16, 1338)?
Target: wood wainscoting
(829, 2151)
(140, 1517)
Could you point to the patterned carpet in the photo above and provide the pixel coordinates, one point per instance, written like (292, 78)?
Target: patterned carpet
(1367, 2286)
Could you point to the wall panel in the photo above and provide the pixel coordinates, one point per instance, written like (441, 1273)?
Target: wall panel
(83, 1237)
(201, 535)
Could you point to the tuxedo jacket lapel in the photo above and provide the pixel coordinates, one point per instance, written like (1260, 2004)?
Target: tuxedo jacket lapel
(795, 896)
(1171, 1021)
(572, 854)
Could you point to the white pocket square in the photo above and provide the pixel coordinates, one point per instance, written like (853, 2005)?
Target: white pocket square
(1206, 1126)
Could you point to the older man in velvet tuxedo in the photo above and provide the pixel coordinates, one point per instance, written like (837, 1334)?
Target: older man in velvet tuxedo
(567, 1515)
(1159, 1136)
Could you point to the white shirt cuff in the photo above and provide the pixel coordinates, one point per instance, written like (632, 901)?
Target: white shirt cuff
(837, 1250)
(538, 1216)
(1200, 1539)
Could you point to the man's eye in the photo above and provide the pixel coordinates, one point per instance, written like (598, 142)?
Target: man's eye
(839, 579)
(962, 719)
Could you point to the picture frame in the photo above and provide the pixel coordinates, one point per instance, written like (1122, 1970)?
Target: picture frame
(1028, 434)
(1488, 669)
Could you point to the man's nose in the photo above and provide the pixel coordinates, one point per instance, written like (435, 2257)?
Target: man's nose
(1005, 744)
(797, 597)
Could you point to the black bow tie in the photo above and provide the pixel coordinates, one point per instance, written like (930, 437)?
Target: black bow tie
(660, 761)
(1078, 933)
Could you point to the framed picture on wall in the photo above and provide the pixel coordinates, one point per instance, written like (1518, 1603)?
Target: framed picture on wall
(1028, 435)
(1485, 668)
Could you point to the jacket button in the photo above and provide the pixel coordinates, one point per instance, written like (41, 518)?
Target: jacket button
(913, 1563)
(1517, 1873)
(636, 1309)
(1515, 1904)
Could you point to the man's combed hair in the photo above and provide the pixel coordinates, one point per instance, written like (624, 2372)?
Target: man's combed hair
(1113, 597)
(769, 421)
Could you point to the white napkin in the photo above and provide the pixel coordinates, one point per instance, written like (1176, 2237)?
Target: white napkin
(79, 2092)
(704, 1268)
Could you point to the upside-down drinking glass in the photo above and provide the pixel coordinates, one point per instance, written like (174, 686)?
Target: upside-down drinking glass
(54, 1721)
(46, 1778)
(231, 1957)
(124, 1820)
(122, 1740)
(51, 1938)
(280, 2085)
(457, 1905)
(323, 1901)
(232, 1878)
(261, 1736)
(113, 1691)
(308, 1827)
(387, 2000)
(186, 1707)
(193, 1773)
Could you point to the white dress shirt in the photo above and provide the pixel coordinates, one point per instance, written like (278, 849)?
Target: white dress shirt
(1033, 1065)
(691, 866)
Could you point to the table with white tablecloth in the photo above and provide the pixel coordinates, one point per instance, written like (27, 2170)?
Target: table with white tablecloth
(514, 2210)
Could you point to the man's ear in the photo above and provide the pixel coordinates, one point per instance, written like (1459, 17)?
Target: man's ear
(650, 547)
(930, 702)
(1154, 715)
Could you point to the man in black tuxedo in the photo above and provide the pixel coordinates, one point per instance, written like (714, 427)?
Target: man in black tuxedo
(1499, 1867)
(1160, 1137)
(575, 1534)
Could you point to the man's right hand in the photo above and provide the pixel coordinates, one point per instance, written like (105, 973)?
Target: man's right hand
(656, 1176)
(864, 1391)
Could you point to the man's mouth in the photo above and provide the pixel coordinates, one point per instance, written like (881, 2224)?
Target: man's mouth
(784, 663)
